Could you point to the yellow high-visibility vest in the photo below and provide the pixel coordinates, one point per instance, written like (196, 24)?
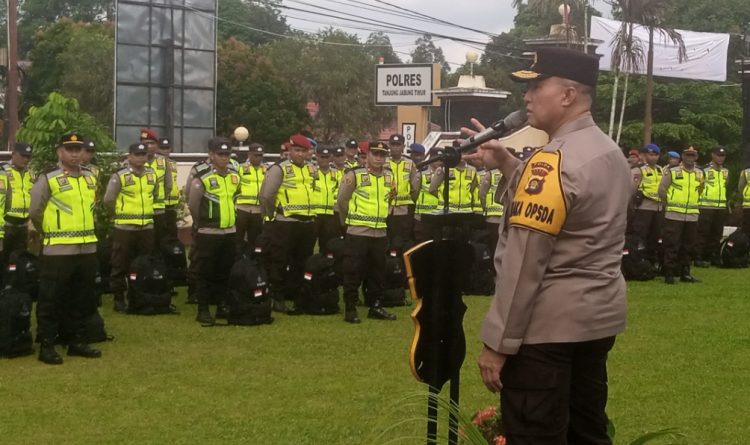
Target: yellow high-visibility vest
(251, 179)
(135, 202)
(217, 205)
(683, 193)
(714, 188)
(69, 213)
(368, 206)
(402, 179)
(295, 196)
(650, 179)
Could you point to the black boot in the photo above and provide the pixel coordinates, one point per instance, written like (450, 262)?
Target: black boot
(222, 311)
(280, 306)
(669, 279)
(687, 277)
(121, 305)
(377, 312)
(83, 350)
(204, 316)
(350, 316)
(48, 355)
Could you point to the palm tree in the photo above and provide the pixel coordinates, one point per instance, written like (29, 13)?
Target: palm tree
(649, 13)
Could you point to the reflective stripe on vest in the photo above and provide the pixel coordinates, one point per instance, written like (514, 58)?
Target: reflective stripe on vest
(491, 207)
(476, 203)
(217, 204)
(714, 188)
(368, 205)
(251, 179)
(746, 190)
(3, 190)
(20, 188)
(159, 165)
(135, 202)
(401, 177)
(650, 179)
(295, 196)
(684, 192)
(324, 192)
(427, 203)
(69, 213)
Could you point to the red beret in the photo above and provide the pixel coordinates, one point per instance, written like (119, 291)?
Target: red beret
(148, 134)
(634, 152)
(285, 146)
(300, 141)
(364, 147)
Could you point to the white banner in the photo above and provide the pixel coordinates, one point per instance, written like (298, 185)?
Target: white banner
(707, 52)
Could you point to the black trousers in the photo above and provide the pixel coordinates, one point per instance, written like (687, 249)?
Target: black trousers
(193, 266)
(160, 230)
(746, 221)
(710, 230)
(249, 227)
(647, 225)
(67, 295)
(126, 246)
(680, 246)
(216, 254)
(364, 260)
(556, 394)
(425, 230)
(327, 227)
(401, 226)
(170, 222)
(291, 245)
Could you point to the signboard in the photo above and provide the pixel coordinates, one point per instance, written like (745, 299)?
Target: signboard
(410, 133)
(403, 84)
(165, 65)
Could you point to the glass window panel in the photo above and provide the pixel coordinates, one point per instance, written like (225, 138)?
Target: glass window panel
(132, 63)
(199, 108)
(132, 104)
(132, 24)
(199, 68)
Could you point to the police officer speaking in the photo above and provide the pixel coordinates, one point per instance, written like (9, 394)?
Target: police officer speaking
(562, 298)
(62, 203)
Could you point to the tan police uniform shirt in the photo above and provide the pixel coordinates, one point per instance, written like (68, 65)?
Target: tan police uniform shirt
(560, 248)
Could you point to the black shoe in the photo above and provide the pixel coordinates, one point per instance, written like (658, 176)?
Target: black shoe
(379, 313)
(121, 306)
(689, 279)
(48, 355)
(280, 306)
(222, 311)
(83, 350)
(192, 299)
(669, 279)
(204, 317)
(351, 317)
(295, 311)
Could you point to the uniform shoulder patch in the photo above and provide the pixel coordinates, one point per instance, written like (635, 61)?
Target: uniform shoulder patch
(539, 202)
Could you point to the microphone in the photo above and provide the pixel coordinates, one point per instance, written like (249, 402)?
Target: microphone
(512, 121)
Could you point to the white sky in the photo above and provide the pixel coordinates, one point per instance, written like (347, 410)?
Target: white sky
(492, 16)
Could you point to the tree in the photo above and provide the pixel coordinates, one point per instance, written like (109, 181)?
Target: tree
(426, 52)
(76, 59)
(252, 92)
(379, 45)
(38, 14)
(334, 71)
(238, 16)
(650, 13)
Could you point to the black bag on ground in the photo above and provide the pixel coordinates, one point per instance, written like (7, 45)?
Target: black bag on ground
(320, 287)
(635, 264)
(249, 302)
(337, 247)
(482, 275)
(395, 277)
(15, 323)
(173, 252)
(22, 273)
(149, 289)
(734, 250)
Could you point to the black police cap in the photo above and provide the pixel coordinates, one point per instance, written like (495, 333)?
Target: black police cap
(219, 145)
(719, 150)
(22, 148)
(165, 143)
(324, 150)
(137, 148)
(338, 151)
(561, 62)
(352, 143)
(71, 139)
(255, 148)
(396, 139)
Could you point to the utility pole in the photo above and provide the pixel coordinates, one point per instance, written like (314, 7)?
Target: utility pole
(11, 92)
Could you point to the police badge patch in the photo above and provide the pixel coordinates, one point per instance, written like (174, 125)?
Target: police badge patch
(62, 181)
(539, 171)
(129, 179)
(213, 183)
(289, 171)
(365, 179)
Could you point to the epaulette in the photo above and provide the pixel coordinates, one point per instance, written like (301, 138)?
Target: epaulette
(201, 167)
(6, 166)
(125, 169)
(50, 169)
(233, 167)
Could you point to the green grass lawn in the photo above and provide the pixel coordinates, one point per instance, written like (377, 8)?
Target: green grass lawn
(684, 362)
